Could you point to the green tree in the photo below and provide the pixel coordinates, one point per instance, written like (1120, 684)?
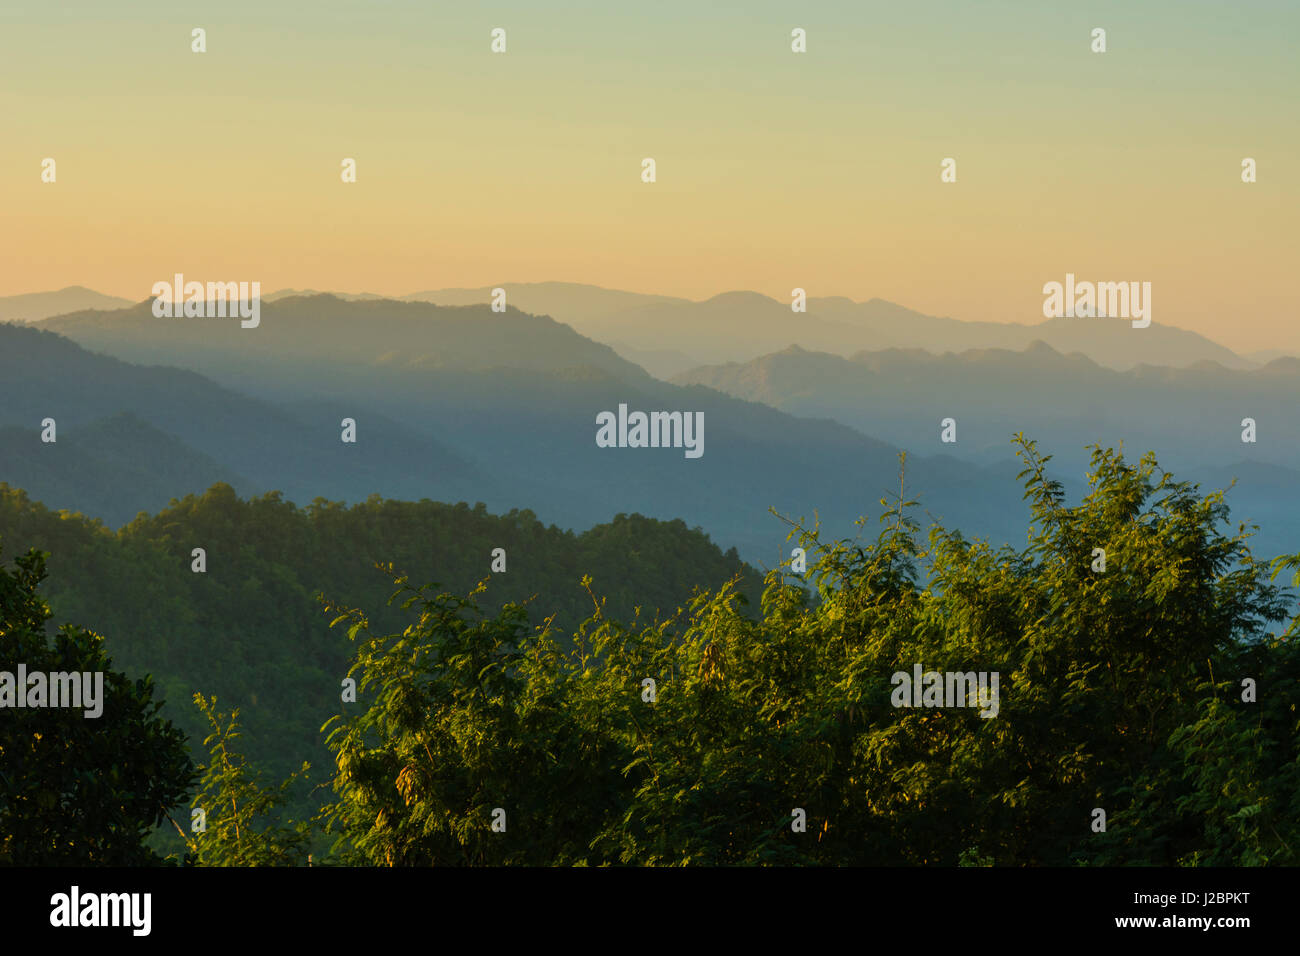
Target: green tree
(78, 790)
(461, 714)
(1120, 689)
(239, 813)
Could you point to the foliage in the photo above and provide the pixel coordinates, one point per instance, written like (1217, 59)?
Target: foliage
(78, 790)
(1120, 690)
(251, 630)
(237, 810)
(703, 734)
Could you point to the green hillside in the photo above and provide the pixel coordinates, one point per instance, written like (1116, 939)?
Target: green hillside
(251, 630)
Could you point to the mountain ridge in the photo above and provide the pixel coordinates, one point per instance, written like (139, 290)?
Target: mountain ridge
(668, 335)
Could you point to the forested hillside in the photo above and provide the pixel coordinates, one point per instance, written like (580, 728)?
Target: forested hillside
(1140, 708)
(250, 629)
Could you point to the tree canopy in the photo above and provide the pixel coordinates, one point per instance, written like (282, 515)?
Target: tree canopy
(78, 789)
(1139, 708)
(1151, 690)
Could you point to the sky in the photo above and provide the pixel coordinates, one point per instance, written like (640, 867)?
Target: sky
(775, 170)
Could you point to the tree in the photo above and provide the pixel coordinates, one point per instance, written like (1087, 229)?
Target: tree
(462, 731)
(777, 739)
(78, 790)
(237, 810)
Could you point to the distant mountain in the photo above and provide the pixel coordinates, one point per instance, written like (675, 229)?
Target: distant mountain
(569, 302)
(1191, 414)
(518, 396)
(298, 335)
(1112, 342)
(662, 363)
(345, 296)
(296, 450)
(657, 331)
(1269, 355)
(1281, 367)
(40, 305)
(461, 402)
(667, 335)
(111, 469)
(1191, 417)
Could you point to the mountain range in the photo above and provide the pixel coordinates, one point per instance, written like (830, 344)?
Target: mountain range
(1192, 415)
(130, 437)
(669, 335)
(458, 402)
(462, 402)
(34, 306)
(1194, 418)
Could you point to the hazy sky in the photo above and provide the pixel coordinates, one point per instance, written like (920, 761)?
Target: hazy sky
(775, 169)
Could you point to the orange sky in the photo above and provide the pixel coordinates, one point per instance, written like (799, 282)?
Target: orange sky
(775, 169)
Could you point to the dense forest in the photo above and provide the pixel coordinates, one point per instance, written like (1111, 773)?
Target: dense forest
(251, 628)
(1146, 712)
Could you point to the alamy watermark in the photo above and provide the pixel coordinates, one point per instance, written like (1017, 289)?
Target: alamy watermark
(75, 909)
(77, 689)
(216, 300)
(653, 430)
(1123, 300)
(948, 689)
